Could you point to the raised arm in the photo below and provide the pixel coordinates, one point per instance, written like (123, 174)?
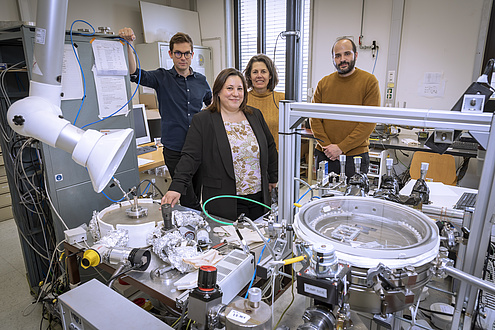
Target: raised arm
(128, 35)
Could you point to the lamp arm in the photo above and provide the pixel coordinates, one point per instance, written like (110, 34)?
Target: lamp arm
(39, 115)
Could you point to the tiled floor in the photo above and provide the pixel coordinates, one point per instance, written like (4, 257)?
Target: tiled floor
(18, 310)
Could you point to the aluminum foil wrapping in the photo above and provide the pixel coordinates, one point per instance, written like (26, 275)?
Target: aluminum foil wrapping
(172, 247)
(155, 234)
(187, 218)
(177, 255)
(93, 227)
(119, 237)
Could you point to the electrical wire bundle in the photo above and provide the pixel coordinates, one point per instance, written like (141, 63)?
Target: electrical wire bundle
(24, 167)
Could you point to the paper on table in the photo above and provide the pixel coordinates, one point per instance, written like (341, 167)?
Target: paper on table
(142, 161)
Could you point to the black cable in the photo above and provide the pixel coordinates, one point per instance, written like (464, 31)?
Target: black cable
(26, 177)
(179, 325)
(153, 184)
(123, 273)
(301, 134)
(435, 312)
(273, 97)
(461, 171)
(275, 48)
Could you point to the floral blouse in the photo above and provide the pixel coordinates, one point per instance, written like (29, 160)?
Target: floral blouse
(246, 157)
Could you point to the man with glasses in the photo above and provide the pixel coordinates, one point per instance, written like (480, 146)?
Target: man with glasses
(181, 93)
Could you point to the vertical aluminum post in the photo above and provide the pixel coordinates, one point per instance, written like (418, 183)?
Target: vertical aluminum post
(286, 164)
(479, 238)
(293, 67)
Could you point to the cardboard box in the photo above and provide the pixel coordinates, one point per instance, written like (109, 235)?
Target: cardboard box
(149, 101)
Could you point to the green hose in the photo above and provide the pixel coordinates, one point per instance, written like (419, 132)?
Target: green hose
(229, 196)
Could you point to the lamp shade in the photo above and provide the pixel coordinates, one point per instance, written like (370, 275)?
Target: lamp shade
(106, 156)
(101, 154)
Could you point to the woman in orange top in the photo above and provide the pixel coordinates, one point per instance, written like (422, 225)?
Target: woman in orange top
(262, 78)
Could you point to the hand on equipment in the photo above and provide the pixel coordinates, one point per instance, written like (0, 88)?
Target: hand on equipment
(171, 197)
(127, 34)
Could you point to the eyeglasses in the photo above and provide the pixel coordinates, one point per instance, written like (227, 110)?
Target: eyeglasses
(178, 54)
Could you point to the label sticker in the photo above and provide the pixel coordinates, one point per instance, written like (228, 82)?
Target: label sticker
(40, 36)
(317, 291)
(238, 316)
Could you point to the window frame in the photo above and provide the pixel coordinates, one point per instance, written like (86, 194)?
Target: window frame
(262, 42)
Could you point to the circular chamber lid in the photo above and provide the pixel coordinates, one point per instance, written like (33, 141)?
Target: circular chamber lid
(116, 214)
(367, 231)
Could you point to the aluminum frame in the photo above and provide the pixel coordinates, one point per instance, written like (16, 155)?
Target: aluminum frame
(480, 124)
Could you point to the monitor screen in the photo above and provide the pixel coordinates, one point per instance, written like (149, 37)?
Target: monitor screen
(141, 130)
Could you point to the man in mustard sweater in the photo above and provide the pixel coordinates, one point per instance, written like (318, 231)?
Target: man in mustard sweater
(349, 85)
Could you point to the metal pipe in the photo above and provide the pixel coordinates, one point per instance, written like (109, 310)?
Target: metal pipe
(440, 290)
(261, 26)
(49, 41)
(481, 225)
(272, 252)
(284, 274)
(472, 280)
(293, 51)
(229, 38)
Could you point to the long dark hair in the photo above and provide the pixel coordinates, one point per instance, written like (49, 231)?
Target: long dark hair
(218, 85)
(269, 65)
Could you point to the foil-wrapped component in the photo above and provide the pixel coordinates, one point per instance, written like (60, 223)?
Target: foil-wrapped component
(177, 256)
(119, 237)
(93, 227)
(187, 218)
(155, 234)
(161, 245)
(172, 247)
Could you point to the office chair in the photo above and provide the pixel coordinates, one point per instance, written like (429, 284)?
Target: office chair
(441, 169)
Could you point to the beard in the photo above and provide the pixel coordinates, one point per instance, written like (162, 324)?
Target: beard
(350, 66)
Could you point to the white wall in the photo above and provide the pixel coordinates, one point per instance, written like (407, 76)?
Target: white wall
(10, 10)
(438, 36)
(109, 13)
(212, 24)
(333, 19)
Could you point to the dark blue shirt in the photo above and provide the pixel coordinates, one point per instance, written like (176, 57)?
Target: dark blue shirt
(179, 99)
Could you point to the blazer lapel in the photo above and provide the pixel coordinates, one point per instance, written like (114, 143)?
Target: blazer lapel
(223, 144)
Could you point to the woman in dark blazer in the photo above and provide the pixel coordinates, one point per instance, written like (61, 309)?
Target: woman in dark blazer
(235, 150)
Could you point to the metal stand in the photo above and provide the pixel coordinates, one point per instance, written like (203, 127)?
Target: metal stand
(480, 125)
